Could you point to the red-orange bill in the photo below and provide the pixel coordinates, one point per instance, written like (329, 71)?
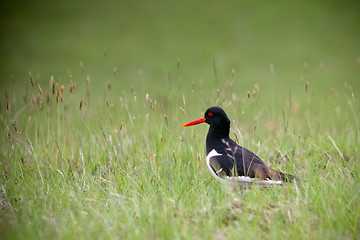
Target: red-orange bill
(197, 121)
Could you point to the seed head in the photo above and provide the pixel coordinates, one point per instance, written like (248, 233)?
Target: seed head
(34, 101)
(40, 90)
(31, 79)
(7, 105)
(306, 86)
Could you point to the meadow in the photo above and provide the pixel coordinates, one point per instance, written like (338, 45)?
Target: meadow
(94, 97)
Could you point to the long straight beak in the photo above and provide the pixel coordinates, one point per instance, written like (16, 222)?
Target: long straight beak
(197, 121)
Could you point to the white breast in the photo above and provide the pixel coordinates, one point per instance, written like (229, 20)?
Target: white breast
(227, 179)
(213, 153)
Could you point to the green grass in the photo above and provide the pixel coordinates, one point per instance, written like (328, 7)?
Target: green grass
(121, 166)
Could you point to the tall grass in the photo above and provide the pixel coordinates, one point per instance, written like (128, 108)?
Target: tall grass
(94, 96)
(79, 162)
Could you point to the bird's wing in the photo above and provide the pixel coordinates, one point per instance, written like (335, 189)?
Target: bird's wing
(247, 163)
(216, 163)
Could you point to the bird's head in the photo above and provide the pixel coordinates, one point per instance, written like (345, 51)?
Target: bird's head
(214, 116)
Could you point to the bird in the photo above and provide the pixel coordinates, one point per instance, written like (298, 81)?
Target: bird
(227, 160)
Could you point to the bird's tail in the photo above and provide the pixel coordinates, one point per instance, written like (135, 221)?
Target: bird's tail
(277, 175)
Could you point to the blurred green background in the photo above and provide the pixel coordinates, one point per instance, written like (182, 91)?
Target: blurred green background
(112, 161)
(295, 37)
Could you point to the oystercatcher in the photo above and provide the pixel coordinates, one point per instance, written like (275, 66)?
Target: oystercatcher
(227, 160)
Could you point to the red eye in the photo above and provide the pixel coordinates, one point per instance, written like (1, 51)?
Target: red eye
(210, 114)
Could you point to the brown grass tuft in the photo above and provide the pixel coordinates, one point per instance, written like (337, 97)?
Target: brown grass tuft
(7, 105)
(182, 110)
(33, 100)
(40, 90)
(61, 93)
(31, 80)
(40, 103)
(134, 93)
(57, 92)
(52, 84)
(72, 86)
(15, 127)
(166, 120)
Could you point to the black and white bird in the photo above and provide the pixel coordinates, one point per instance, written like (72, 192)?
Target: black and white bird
(226, 160)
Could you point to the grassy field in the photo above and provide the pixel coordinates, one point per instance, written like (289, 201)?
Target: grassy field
(94, 96)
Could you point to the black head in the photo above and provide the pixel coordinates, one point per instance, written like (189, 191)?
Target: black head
(219, 125)
(216, 117)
